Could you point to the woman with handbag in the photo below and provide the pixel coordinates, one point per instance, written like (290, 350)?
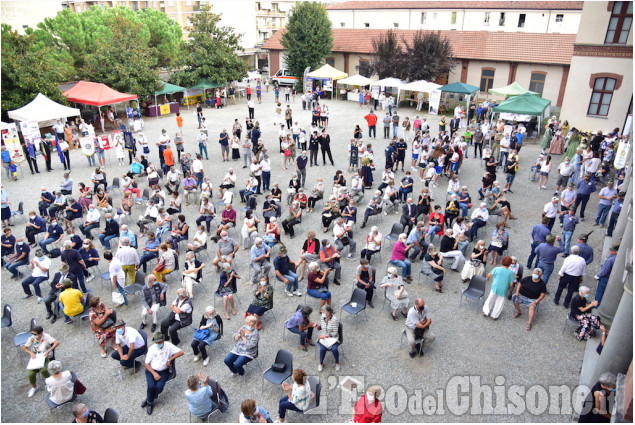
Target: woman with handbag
(395, 292)
(476, 265)
(166, 263)
(102, 320)
(227, 288)
(205, 335)
(60, 385)
(329, 337)
(272, 232)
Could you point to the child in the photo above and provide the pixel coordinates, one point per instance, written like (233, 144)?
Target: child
(14, 171)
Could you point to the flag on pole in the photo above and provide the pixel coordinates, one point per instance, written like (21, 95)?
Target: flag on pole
(59, 150)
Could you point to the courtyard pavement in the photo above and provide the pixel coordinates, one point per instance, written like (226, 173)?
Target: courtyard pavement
(498, 352)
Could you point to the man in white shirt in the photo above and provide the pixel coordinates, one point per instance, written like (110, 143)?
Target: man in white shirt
(90, 222)
(129, 259)
(551, 211)
(40, 265)
(418, 323)
(197, 170)
(344, 237)
(159, 359)
(571, 274)
(173, 178)
(565, 170)
(357, 188)
(229, 181)
(207, 211)
(149, 216)
(479, 219)
(386, 177)
(129, 345)
(117, 275)
(256, 168)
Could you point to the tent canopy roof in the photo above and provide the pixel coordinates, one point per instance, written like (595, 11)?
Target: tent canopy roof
(204, 84)
(356, 80)
(459, 88)
(97, 94)
(389, 82)
(41, 108)
(327, 71)
(421, 86)
(526, 104)
(514, 89)
(169, 89)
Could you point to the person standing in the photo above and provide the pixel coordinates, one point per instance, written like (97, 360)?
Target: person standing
(300, 166)
(325, 147)
(606, 196)
(313, 148)
(395, 123)
(371, 119)
(571, 274)
(568, 227)
(585, 188)
(503, 277)
(615, 213)
(251, 105)
(223, 139)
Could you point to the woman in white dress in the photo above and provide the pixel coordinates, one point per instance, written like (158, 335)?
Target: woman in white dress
(249, 231)
(395, 292)
(119, 151)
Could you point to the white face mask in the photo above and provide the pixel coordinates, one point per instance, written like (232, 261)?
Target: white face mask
(370, 397)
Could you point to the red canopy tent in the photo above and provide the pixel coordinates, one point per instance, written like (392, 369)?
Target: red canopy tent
(96, 94)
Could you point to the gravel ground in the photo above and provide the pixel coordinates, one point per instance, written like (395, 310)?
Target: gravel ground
(467, 344)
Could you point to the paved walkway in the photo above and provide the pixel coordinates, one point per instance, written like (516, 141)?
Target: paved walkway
(467, 344)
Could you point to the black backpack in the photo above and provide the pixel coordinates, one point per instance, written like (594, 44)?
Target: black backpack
(220, 326)
(54, 253)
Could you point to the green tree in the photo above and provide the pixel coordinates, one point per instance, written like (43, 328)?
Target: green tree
(429, 56)
(166, 36)
(308, 38)
(123, 60)
(210, 52)
(388, 57)
(27, 70)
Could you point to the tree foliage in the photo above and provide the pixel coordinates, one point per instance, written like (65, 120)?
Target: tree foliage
(388, 56)
(425, 57)
(428, 56)
(123, 60)
(27, 69)
(308, 38)
(210, 52)
(166, 36)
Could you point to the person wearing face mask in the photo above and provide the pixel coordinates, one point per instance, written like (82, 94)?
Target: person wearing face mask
(530, 291)
(418, 323)
(129, 345)
(90, 222)
(599, 403)
(40, 265)
(158, 362)
(39, 344)
(245, 348)
(20, 258)
(83, 415)
(368, 408)
(207, 333)
(33, 227)
(329, 337)
(180, 316)
(262, 302)
(228, 220)
(298, 396)
(192, 273)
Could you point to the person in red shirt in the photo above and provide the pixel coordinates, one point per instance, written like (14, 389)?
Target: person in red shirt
(168, 157)
(368, 409)
(371, 119)
(248, 92)
(179, 121)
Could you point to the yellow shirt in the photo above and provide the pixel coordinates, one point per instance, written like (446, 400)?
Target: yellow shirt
(71, 298)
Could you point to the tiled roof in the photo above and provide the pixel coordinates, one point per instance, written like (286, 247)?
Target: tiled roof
(477, 45)
(494, 5)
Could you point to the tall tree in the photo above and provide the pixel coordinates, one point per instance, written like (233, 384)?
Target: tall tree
(210, 52)
(166, 36)
(428, 56)
(123, 60)
(388, 56)
(308, 38)
(27, 70)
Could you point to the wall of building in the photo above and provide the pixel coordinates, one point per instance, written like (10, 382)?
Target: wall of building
(21, 14)
(596, 15)
(536, 21)
(578, 93)
(553, 79)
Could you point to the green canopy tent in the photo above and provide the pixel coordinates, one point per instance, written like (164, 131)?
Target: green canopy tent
(170, 89)
(514, 89)
(204, 84)
(460, 88)
(525, 104)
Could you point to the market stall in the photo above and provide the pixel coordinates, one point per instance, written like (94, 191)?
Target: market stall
(166, 107)
(421, 86)
(322, 78)
(460, 88)
(391, 86)
(514, 89)
(355, 81)
(523, 107)
(198, 93)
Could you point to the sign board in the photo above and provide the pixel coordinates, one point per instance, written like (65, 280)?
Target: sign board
(621, 155)
(164, 109)
(435, 101)
(88, 145)
(104, 142)
(11, 140)
(308, 82)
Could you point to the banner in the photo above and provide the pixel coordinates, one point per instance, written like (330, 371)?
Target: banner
(104, 142)
(59, 150)
(164, 109)
(308, 82)
(88, 145)
(435, 101)
(621, 154)
(11, 140)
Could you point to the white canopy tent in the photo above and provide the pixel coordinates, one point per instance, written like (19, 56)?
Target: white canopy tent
(355, 80)
(421, 86)
(42, 109)
(391, 82)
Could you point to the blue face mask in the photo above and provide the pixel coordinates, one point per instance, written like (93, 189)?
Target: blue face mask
(586, 297)
(159, 346)
(535, 276)
(20, 243)
(42, 258)
(324, 316)
(109, 220)
(85, 414)
(250, 328)
(120, 331)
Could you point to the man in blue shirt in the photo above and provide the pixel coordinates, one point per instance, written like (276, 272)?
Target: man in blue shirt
(20, 258)
(538, 235)
(605, 272)
(260, 253)
(406, 187)
(300, 166)
(389, 152)
(46, 199)
(520, 137)
(54, 234)
(111, 231)
(568, 227)
(615, 213)
(416, 238)
(586, 251)
(33, 227)
(284, 274)
(547, 254)
(6, 160)
(585, 188)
